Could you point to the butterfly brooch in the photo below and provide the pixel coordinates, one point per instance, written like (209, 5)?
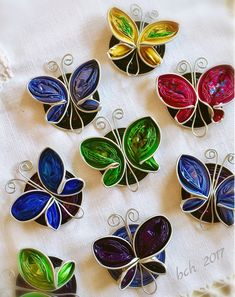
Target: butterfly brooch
(194, 99)
(43, 276)
(138, 46)
(208, 189)
(124, 155)
(52, 196)
(135, 254)
(70, 101)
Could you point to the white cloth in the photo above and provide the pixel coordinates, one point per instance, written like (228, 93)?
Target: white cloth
(34, 32)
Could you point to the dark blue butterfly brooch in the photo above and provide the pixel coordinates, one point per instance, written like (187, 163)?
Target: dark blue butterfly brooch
(52, 196)
(70, 101)
(135, 254)
(207, 189)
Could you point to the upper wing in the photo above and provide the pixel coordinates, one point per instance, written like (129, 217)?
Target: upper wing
(48, 90)
(216, 88)
(30, 205)
(113, 252)
(155, 34)
(150, 239)
(176, 92)
(158, 33)
(125, 30)
(140, 141)
(83, 83)
(36, 269)
(51, 170)
(224, 201)
(103, 154)
(193, 176)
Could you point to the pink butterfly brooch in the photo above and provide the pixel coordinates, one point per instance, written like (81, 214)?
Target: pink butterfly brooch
(196, 99)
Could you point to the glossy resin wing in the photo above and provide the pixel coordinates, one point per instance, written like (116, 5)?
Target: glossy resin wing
(176, 92)
(150, 239)
(113, 252)
(83, 84)
(103, 154)
(50, 90)
(51, 172)
(154, 34)
(125, 30)
(194, 177)
(140, 141)
(216, 88)
(37, 270)
(224, 201)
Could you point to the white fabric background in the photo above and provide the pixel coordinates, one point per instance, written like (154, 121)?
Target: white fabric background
(33, 32)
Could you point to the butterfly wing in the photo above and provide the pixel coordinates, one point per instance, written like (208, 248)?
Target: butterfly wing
(140, 141)
(224, 201)
(216, 88)
(52, 175)
(176, 92)
(125, 30)
(127, 277)
(51, 170)
(65, 273)
(150, 239)
(192, 204)
(152, 35)
(30, 205)
(83, 83)
(103, 154)
(36, 269)
(53, 215)
(193, 176)
(113, 252)
(50, 90)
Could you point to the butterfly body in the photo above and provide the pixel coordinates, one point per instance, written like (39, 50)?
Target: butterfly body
(208, 190)
(51, 196)
(72, 101)
(133, 147)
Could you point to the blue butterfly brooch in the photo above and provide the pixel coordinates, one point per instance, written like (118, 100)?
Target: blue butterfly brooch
(207, 189)
(52, 196)
(70, 101)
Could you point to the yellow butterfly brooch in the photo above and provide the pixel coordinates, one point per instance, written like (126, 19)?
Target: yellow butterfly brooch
(138, 42)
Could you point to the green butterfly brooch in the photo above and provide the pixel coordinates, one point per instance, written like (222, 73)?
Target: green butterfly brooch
(43, 276)
(124, 156)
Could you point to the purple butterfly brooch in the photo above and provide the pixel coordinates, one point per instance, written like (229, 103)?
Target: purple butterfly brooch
(70, 101)
(135, 254)
(195, 99)
(52, 196)
(207, 189)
